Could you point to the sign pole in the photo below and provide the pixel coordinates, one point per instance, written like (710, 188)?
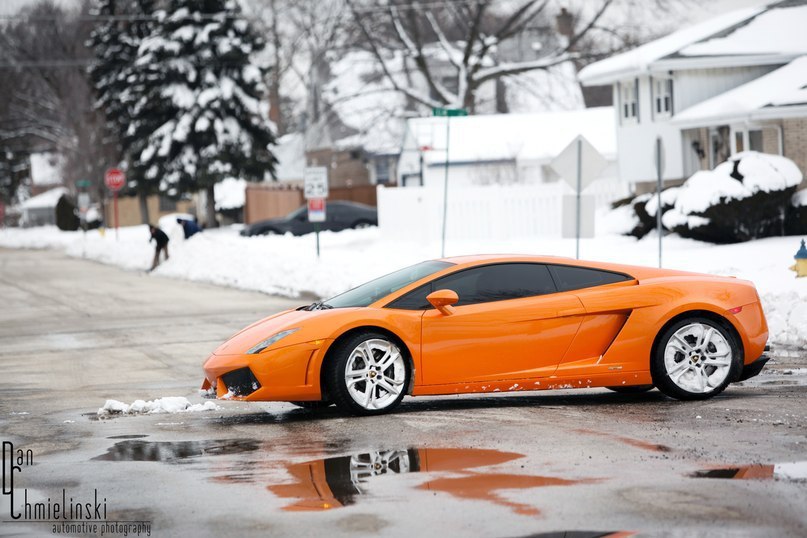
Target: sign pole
(317, 233)
(445, 189)
(579, 188)
(115, 205)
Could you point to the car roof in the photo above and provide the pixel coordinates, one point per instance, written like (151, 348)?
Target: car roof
(637, 272)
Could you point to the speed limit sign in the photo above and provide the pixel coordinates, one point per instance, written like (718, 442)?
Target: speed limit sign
(316, 182)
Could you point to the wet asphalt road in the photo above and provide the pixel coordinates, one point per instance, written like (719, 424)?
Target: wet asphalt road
(74, 334)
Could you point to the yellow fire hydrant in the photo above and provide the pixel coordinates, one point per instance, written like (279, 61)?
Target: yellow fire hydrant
(801, 261)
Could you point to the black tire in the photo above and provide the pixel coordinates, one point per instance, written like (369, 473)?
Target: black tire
(632, 389)
(335, 370)
(313, 406)
(697, 365)
(361, 224)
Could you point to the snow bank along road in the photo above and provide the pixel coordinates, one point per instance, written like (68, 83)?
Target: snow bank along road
(288, 266)
(74, 334)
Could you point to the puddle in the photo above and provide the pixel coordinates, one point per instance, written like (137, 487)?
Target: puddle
(638, 443)
(795, 471)
(175, 451)
(329, 483)
(133, 436)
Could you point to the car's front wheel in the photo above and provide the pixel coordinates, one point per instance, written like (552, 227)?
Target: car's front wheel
(696, 359)
(367, 374)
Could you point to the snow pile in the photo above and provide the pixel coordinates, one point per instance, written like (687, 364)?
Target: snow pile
(168, 404)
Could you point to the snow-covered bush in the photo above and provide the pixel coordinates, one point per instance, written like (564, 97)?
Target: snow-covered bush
(796, 222)
(637, 215)
(746, 197)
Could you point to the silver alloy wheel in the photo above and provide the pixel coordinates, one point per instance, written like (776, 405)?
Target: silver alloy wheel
(364, 466)
(698, 358)
(375, 374)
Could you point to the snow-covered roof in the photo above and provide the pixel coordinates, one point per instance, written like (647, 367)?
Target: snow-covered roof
(757, 99)
(46, 169)
(507, 137)
(45, 200)
(290, 154)
(749, 36)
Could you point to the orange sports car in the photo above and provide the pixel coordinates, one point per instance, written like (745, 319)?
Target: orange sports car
(484, 324)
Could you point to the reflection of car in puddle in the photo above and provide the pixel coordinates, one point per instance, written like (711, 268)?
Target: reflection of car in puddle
(796, 471)
(336, 482)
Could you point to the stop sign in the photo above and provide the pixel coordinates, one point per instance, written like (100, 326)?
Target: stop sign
(114, 179)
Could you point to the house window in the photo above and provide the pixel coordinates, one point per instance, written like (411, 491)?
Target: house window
(755, 139)
(630, 100)
(662, 97)
(748, 140)
(382, 170)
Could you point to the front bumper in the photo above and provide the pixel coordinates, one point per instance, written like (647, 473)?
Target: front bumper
(753, 369)
(291, 373)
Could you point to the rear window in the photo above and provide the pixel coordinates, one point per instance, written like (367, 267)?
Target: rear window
(574, 278)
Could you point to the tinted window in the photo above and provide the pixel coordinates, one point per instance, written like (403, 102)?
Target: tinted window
(575, 278)
(376, 289)
(485, 284)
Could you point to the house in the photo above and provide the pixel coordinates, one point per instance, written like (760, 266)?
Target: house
(40, 210)
(500, 149)
(732, 83)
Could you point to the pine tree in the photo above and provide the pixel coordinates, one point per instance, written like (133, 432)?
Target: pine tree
(115, 41)
(15, 167)
(201, 113)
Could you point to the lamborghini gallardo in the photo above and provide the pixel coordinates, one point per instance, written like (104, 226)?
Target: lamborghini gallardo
(485, 324)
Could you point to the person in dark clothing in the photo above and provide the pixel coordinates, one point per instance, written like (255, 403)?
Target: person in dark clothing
(161, 241)
(189, 227)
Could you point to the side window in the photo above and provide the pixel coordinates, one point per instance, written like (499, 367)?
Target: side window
(575, 278)
(414, 300)
(485, 284)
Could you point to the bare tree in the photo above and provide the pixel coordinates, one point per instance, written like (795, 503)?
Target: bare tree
(46, 103)
(465, 34)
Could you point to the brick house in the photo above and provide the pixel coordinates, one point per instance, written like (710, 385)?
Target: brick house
(729, 84)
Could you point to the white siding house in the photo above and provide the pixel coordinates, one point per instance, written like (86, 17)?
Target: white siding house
(500, 149)
(658, 85)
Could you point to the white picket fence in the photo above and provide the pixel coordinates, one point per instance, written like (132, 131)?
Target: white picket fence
(492, 212)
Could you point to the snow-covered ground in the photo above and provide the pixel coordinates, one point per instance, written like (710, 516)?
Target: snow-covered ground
(288, 265)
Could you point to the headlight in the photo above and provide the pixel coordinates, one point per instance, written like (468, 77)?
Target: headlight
(263, 344)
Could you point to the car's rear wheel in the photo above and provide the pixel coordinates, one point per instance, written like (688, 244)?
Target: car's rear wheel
(361, 224)
(367, 374)
(312, 406)
(632, 389)
(696, 358)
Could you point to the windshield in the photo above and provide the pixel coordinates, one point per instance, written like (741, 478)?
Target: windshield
(381, 287)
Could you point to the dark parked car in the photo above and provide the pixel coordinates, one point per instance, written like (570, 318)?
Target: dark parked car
(339, 216)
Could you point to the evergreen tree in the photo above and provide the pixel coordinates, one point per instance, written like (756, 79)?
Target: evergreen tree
(115, 41)
(15, 168)
(201, 113)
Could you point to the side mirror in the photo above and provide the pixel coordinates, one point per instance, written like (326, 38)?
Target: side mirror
(442, 300)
